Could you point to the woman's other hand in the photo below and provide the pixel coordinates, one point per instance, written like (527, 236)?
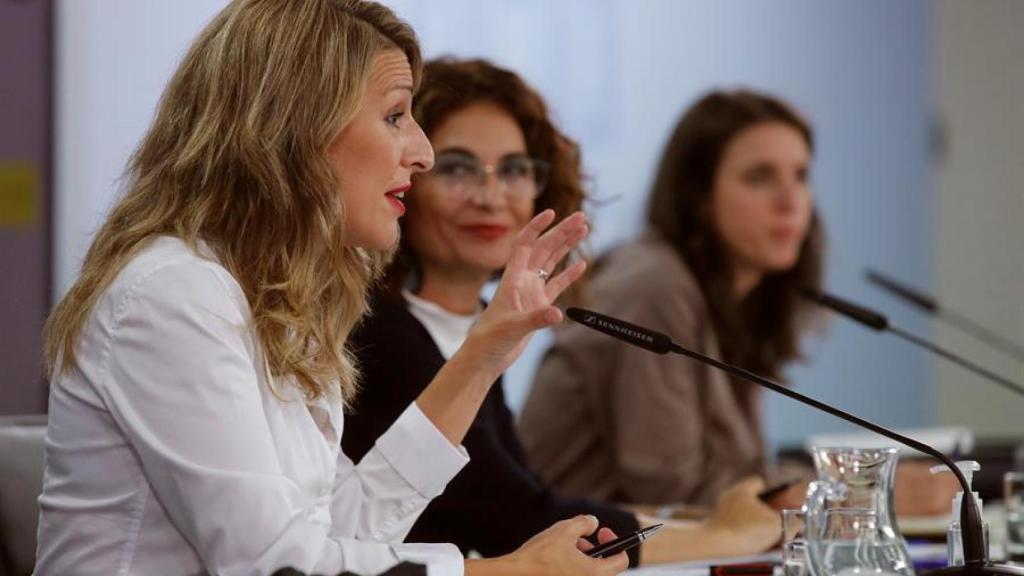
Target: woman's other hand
(793, 496)
(740, 524)
(557, 551)
(744, 520)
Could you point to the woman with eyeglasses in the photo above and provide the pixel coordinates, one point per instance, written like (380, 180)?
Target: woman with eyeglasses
(499, 160)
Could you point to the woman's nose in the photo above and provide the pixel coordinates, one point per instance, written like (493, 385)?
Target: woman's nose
(419, 154)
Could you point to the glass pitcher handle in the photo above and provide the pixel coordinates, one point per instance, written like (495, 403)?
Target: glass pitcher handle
(819, 494)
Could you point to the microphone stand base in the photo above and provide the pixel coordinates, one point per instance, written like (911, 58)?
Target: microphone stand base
(986, 569)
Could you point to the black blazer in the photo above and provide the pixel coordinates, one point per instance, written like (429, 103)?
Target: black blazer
(496, 502)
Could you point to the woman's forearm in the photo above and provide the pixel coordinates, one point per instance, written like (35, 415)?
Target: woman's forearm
(501, 566)
(453, 398)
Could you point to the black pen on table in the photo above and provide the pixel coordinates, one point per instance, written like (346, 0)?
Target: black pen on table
(768, 494)
(623, 543)
(745, 569)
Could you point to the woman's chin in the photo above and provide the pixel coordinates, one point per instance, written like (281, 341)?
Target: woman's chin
(382, 239)
(781, 263)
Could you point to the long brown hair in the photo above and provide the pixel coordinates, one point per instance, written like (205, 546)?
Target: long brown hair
(762, 332)
(449, 85)
(237, 157)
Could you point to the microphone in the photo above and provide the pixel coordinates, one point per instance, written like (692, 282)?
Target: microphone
(929, 304)
(881, 323)
(636, 335)
(976, 561)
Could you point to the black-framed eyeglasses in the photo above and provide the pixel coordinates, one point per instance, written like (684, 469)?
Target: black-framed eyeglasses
(519, 177)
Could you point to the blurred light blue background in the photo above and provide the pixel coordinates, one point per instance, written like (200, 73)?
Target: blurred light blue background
(617, 74)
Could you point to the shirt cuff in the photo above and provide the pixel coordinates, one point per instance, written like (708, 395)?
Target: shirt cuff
(440, 559)
(420, 453)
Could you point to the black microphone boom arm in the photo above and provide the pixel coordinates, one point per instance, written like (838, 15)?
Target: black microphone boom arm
(975, 554)
(930, 305)
(881, 323)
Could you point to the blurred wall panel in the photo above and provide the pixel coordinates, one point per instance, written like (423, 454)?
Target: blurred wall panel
(25, 143)
(980, 202)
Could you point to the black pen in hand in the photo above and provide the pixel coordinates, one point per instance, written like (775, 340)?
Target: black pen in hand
(770, 493)
(623, 543)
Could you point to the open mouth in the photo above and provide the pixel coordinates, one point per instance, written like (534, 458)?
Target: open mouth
(397, 199)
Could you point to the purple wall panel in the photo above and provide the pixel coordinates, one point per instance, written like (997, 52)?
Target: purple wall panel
(25, 144)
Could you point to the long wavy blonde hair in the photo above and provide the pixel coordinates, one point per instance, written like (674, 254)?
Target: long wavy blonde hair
(237, 157)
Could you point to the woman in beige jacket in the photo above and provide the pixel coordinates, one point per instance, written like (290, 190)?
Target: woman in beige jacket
(733, 238)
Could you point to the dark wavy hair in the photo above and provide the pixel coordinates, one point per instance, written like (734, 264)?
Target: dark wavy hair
(449, 85)
(761, 332)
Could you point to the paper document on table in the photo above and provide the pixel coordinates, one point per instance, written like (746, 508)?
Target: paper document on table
(700, 567)
(918, 553)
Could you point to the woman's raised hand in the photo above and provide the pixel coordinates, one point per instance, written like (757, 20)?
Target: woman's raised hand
(524, 301)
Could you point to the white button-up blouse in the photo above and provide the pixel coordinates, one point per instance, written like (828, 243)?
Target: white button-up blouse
(171, 449)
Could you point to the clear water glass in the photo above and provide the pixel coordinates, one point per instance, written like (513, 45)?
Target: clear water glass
(851, 524)
(794, 546)
(1013, 499)
(853, 543)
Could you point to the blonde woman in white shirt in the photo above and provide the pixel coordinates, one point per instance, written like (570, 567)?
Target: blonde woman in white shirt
(199, 370)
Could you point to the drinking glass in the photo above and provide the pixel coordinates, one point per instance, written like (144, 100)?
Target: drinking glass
(794, 547)
(1013, 499)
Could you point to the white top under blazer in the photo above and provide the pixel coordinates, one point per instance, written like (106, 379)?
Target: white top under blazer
(172, 450)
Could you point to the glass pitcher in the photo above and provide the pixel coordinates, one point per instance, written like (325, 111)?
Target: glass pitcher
(850, 521)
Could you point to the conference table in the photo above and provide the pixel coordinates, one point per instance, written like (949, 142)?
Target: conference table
(919, 532)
